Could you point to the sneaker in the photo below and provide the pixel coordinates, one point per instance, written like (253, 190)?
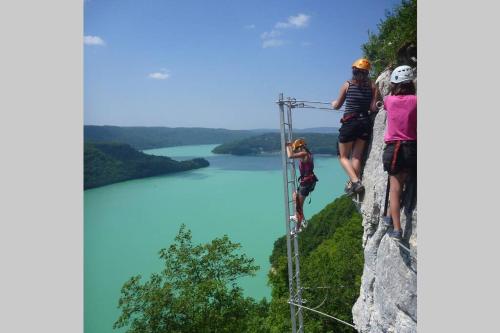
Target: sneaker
(387, 220)
(396, 235)
(358, 187)
(297, 230)
(304, 224)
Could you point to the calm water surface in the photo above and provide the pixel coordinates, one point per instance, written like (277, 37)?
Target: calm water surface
(126, 224)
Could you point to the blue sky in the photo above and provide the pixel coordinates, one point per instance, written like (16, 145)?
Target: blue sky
(219, 63)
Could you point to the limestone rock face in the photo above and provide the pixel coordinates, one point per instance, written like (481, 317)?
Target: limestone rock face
(388, 295)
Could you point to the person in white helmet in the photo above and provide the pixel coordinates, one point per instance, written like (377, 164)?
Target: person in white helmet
(400, 152)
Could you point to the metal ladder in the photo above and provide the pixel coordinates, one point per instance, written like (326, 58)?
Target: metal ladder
(289, 187)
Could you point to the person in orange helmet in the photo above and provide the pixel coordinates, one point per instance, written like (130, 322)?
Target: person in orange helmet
(360, 97)
(307, 180)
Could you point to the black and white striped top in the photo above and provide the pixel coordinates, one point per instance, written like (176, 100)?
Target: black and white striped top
(358, 99)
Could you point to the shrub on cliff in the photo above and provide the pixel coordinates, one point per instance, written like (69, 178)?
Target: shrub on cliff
(396, 37)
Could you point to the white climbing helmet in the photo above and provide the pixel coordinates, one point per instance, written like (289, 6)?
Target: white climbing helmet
(402, 74)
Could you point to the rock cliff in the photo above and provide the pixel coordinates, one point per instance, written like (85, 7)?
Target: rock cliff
(388, 295)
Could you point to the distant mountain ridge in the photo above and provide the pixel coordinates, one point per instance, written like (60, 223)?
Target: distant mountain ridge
(318, 143)
(157, 137)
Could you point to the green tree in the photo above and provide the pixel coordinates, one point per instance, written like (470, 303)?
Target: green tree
(396, 32)
(196, 291)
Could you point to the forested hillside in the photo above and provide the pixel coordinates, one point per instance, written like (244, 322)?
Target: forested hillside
(271, 142)
(331, 263)
(106, 163)
(198, 288)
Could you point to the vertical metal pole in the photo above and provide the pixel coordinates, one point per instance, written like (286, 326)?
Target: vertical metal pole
(295, 239)
(284, 159)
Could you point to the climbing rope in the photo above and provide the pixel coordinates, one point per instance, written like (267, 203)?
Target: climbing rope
(324, 314)
(320, 304)
(408, 250)
(303, 104)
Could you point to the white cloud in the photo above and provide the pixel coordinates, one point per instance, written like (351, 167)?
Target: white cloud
(161, 75)
(250, 26)
(93, 40)
(271, 34)
(272, 43)
(299, 21)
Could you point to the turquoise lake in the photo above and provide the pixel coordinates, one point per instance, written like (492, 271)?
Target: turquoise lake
(126, 224)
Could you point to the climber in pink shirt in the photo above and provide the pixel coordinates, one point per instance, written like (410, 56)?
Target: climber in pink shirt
(400, 152)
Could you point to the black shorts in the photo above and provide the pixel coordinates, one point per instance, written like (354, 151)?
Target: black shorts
(404, 159)
(304, 190)
(355, 128)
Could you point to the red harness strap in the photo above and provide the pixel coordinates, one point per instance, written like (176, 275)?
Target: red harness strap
(347, 117)
(395, 155)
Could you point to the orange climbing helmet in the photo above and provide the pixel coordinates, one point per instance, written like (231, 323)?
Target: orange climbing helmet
(298, 143)
(362, 64)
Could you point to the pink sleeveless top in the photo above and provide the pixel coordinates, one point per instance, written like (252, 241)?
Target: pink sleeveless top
(401, 118)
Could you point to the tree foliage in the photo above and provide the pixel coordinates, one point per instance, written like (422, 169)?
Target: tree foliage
(396, 32)
(331, 268)
(196, 291)
(106, 163)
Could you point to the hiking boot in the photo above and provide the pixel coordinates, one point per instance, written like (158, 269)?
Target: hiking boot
(396, 235)
(349, 188)
(358, 187)
(387, 220)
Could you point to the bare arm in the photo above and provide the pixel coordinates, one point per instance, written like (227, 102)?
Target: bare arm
(289, 150)
(291, 154)
(337, 104)
(373, 104)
